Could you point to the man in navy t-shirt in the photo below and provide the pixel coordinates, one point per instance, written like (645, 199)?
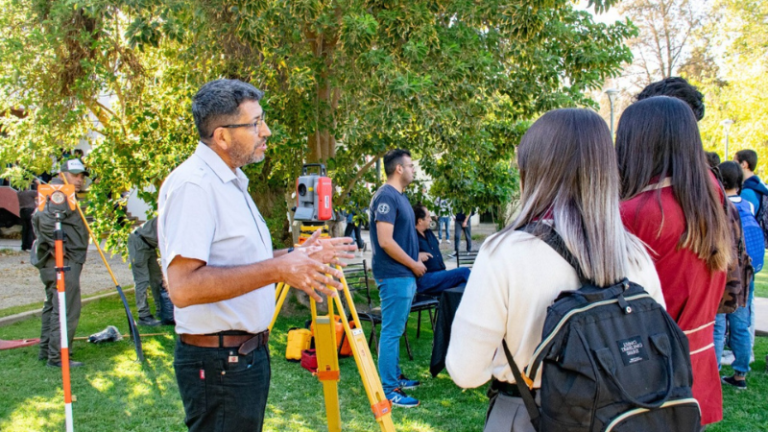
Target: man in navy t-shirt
(396, 266)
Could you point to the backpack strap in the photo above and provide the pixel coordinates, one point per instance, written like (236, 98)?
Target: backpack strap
(547, 234)
(525, 392)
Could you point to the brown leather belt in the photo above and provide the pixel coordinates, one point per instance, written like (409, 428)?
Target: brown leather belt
(245, 342)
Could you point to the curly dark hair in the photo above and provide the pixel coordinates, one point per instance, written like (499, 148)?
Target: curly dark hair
(679, 88)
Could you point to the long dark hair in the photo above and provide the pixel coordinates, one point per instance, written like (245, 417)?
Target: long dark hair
(658, 138)
(568, 174)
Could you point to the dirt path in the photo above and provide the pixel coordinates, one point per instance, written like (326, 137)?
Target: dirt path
(20, 281)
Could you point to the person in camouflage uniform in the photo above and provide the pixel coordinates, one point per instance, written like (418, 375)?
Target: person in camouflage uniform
(42, 257)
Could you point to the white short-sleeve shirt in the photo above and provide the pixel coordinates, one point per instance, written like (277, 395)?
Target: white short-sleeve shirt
(206, 213)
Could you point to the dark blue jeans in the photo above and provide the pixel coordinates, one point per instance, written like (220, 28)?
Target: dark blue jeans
(220, 394)
(740, 341)
(434, 283)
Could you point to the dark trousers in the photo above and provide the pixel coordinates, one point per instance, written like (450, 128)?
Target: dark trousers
(27, 233)
(458, 229)
(358, 235)
(50, 331)
(220, 394)
(146, 274)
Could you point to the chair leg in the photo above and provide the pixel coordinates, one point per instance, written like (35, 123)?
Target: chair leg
(408, 345)
(418, 326)
(373, 340)
(432, 319)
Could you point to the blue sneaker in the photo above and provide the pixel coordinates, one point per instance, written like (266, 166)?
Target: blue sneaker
(399, 398)
(407, 384)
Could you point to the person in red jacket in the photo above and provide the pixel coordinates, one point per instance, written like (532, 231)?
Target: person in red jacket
(674, 205)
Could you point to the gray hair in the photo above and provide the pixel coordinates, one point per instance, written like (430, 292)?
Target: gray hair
(569, 175)
(219, 101)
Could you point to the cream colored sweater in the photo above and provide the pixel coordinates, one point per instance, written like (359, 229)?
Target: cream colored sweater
(507, 297)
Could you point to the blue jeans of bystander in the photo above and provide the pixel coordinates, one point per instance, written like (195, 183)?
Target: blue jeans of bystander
(396, 297)
(434, 283)
(443, 221)
(739, 341)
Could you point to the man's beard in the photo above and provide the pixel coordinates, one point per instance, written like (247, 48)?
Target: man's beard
(246, 158)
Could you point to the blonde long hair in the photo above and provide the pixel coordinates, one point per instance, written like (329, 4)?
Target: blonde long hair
(569, 175)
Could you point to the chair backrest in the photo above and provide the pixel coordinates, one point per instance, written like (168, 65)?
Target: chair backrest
(357, 278)
(466, 259)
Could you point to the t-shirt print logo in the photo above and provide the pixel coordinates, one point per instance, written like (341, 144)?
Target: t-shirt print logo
(383, 208)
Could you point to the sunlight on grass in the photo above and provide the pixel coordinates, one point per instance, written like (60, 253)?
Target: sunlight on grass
(102, 383)
(115, 393)
(36, 414)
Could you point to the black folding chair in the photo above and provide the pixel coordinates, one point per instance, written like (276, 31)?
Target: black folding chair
(421, 303)
(466, 259)
(358, 283)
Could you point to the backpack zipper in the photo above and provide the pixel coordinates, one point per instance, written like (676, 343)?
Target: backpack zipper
(568, 316)
(637, 411)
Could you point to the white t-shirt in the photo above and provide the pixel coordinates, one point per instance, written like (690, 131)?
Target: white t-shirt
(507, 296)
(206, 213)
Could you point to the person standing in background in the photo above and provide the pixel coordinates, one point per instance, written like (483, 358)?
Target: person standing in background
(27, 204)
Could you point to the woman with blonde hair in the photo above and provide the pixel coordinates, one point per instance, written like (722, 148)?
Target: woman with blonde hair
(570, 182)
(675, 206)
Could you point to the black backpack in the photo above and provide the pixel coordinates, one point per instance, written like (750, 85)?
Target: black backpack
(762, 216)
(613, 361)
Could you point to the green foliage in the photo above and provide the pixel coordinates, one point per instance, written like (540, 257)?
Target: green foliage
(738, 91)
(454, 81)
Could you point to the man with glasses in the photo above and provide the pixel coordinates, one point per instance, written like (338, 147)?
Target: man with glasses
(396, 266)
(221, 270)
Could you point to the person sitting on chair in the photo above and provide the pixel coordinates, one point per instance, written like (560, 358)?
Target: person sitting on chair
(437, 279)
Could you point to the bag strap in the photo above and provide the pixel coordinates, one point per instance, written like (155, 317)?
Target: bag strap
(525, 392)
(549, 236)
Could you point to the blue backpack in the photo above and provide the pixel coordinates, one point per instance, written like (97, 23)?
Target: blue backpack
(753, 234)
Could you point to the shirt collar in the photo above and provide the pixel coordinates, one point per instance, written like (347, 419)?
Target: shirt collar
(219, 167)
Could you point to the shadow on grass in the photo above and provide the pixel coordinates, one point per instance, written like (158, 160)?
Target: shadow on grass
(114, 392)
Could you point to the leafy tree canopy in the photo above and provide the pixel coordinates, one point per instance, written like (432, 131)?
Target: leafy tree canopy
(454, 81)
(737, 41)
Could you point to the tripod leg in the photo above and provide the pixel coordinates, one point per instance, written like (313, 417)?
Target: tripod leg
(282, 288)
(328, 368)
(380, 405)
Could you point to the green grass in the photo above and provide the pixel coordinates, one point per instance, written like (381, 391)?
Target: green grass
(116, 393)
(746, 410)
(13, 310)
(761, 281)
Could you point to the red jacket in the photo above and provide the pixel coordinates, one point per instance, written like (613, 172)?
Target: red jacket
(691, 291)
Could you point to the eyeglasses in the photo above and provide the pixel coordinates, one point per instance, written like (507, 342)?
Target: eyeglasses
(256, 124)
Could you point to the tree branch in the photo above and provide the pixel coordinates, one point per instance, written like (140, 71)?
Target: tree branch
(360, 173)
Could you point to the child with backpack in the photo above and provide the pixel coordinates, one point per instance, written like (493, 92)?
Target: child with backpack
(739, 320)
(568, 231)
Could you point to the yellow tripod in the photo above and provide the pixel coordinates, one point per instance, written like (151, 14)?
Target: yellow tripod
(327, 357)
